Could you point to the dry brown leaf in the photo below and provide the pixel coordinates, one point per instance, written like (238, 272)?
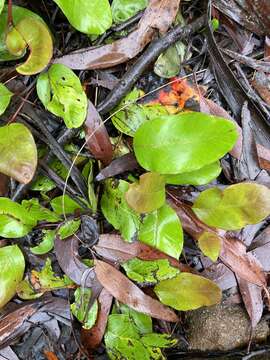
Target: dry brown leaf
(128, 293)
(158, 16)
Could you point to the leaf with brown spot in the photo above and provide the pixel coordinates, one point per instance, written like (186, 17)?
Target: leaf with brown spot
(98, 141)
(128, 293)
(158, 16)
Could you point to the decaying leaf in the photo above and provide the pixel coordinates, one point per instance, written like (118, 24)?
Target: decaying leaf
(159, 15)
(128, 293)
(18, 152)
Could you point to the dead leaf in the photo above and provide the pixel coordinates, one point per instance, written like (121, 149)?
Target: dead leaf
(98, 141)
(4, 182)
(158, 16)
(128, 293)
(92, 338)
(50, 355)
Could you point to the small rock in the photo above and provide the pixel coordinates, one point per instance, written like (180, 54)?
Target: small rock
(221, 328)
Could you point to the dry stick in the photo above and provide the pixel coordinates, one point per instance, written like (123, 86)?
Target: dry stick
(153, 51)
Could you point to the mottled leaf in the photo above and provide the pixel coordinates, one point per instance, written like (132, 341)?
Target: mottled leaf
(188, 292)
(174, 144)
(18, 152)
(235, 207)
(80, 308)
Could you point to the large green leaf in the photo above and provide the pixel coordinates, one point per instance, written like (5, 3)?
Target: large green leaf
(188, 292)
(201, 176)
(116, 210)
(91, 17)
(184, 142)
(61, 92)
(124, 9)
(150, 272)
(235, 207)
(80, 308)
(147, 195)
(162, 229)
(5, 96)
(39, 212)
(128, 116)
(18, 152)
(15, 220)
(60, 203)
(18, 13)
(12, 266)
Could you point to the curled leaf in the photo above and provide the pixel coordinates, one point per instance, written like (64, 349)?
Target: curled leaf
(46, 244)
(80, 308)
(147, 195)
(18, 152)
(34, 34)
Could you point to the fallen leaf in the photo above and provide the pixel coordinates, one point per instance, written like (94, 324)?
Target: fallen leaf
(147, 195)
(18, 152)
(159, 15)
(128, 293)
(96, 135)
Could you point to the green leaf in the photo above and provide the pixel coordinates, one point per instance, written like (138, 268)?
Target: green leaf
(116, 210)
(91, 17)
(124, 341)
(80, 308)
(149, 271)
(18, 13)
(147, 195)
(122, 10)
(162, 230)
(70, 227)
(12, 266)
(210, 244)
(184, 142)
(61, 92)
(5, 96)
(188, 292)
(2, 2)
(89, 177)
(201, 176)
(38, 212)
(18, 152)
(128, 116)
(15, 221)
(69, 205)
(42, 281)
(168, 64)
(34, 34)
(235, 207)
(142, 321)
(46, 244)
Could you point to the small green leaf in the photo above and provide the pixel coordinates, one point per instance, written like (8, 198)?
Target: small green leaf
(69, 228)
(18, 152)
(129, 116)
(188, 292)
(12, 266)
(5, 96)
(184, 142)
(201, 176)
(91, 17)
(46, 244)
(59, 204)
(80, 308)
(116, 210)
(2, 2)
(147, 195)
(168, 64)
(42, 281)
(235, 207)
(15, 221)
(61, 92)
(149, 271)
(38, 212)
(210, 244)
(162, 230)
(35, 34)
(88, 175)
(142, 321)
(122, 10)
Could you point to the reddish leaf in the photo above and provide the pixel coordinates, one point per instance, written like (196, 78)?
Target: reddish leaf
(128, 293)
(93, 337)
(112, 247)
(159, 15)
(98, 141)
(264, 157)
(50, 355)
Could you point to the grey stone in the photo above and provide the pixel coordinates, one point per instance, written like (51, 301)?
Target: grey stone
(221, 328)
